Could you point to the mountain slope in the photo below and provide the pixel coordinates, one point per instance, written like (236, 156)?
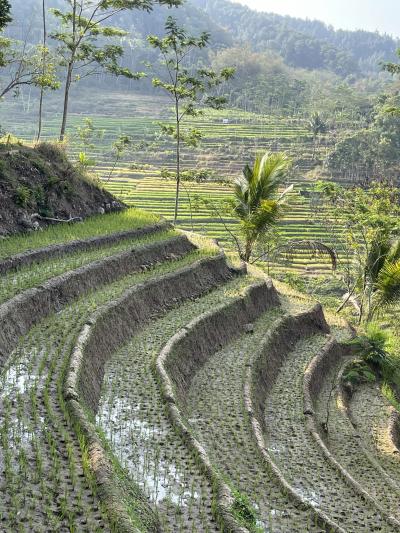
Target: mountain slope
(307, 44)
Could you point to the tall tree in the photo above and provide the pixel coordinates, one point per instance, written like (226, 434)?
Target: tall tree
(82, 51)
(393, 68)
(188, 87)
(23, 66)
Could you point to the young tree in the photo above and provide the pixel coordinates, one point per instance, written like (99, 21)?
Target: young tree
(119, 147)
(257, 203)
(82, 36)
(187, 87)
(369, 224)
(88, 135)
(258, 206)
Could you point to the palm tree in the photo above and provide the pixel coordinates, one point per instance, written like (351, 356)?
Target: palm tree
(259, 206)
(257, 203)
(317, 126)
(384, 274)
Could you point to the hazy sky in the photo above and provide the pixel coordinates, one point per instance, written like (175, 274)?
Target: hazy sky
(381, 15)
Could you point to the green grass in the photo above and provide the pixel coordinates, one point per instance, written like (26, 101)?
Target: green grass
(92, 227)
(157, 195)
(36, 274)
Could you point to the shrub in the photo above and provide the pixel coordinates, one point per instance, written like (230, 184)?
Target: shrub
(374, 348)
(244, 511)
(3, 169)
(359, 372)
(52, 151)
(22, 195)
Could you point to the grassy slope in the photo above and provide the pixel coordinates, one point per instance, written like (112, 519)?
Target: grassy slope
(92, 227)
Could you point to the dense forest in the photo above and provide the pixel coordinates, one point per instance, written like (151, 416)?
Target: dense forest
(303, 43)
(282, 64)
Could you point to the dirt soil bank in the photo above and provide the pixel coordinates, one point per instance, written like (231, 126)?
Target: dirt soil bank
(39, 184)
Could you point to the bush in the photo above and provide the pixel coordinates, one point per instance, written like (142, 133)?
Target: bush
(52, 151)
(197, 175)
(3, 169)
(374, 348)
(22, 196)
(359, 372)
(244, 511)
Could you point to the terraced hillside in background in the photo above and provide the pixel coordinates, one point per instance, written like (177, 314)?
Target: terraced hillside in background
(231, 138)
(149, 384)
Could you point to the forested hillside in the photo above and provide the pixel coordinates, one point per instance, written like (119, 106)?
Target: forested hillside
(283, 65)
(300, 43)
(303, 43)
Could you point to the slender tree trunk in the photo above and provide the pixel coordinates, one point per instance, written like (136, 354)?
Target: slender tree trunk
(247, 251)
(178, 162)
(43, 71)
(68, 81)
(66, 101)
(40, 115)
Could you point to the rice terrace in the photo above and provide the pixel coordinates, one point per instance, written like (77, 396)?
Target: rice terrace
(200, 269)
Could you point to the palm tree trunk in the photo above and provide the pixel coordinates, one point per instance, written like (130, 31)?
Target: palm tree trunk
(248, 251)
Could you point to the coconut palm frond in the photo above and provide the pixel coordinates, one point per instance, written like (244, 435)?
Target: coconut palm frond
(266, 216)
(376, 259)
(263, 180)
(388, 284)
(394, 253)
(285, 192)
(314, 247)
(273, 171)
(247, 173)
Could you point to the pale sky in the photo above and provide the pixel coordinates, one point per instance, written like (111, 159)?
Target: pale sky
(381, 15)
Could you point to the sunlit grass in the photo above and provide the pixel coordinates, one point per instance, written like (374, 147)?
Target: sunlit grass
(92, 227)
